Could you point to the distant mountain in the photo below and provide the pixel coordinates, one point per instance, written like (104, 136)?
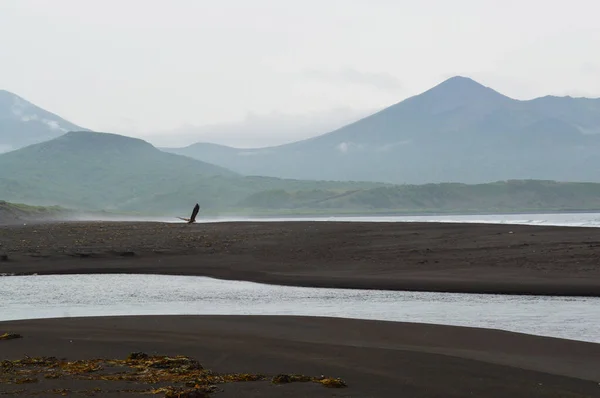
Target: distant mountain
(97, 170)
(22, 123)
(103, 171)
(458, 131)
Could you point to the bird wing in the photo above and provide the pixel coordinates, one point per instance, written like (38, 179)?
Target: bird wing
(195, 212)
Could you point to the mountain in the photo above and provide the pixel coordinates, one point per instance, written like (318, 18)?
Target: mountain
(85, 170)
(96, 170)
(22, 123)
(102, 172)
(457, 131)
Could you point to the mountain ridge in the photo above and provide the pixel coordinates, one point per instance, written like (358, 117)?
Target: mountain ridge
(96, 171)
(22, 123)
(439, 136)
(97, 168)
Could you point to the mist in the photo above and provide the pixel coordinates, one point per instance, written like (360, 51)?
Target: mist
(316, 107)
(154, 67)
(258, 130)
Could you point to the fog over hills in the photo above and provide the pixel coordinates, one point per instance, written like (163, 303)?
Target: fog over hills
(102, 172)
(23, 123)
(458, 131)
(258, 130)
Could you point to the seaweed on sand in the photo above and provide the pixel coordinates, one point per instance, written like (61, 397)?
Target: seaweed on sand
(180, 376)
(10, 336)
(325, 381)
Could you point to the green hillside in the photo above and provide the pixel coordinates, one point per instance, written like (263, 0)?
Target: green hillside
(501, 196)
(11, 213)
(96, 170)
(101, 171)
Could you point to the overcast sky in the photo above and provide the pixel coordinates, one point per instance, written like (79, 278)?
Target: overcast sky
(140, 65)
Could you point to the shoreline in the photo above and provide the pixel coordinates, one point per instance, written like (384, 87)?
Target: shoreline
(374, 358)
(216, 216)
(392, 213)
(419, 256)
(213, 216)
(464, 286)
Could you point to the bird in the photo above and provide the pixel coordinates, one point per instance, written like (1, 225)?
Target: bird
(192, 219)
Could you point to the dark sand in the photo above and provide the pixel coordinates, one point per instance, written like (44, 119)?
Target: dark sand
(477, 258)
(375, 359)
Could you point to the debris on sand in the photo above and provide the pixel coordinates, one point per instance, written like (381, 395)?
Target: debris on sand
(171, 392)
(332, 383)
(325, 381)
(180, 376)
(284, 379)
(10, 336)
(26, 380)
(137, 356)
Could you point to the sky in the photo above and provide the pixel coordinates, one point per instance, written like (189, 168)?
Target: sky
(144, 67)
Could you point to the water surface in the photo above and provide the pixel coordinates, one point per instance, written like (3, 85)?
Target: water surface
(51, 296)
(556, 219)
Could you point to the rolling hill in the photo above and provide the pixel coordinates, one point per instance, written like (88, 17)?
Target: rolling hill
(96, 170)
(458, 131)
(101, 171)
(514, 196)
(22, 123)
(17, 213)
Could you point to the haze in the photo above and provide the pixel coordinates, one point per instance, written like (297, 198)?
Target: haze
(153, 69)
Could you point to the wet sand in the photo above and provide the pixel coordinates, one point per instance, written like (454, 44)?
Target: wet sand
(374, 359)
(473, 258)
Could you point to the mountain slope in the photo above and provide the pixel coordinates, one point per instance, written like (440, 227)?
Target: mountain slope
(15, 213)
(102, 171)
(458, 131)
(106, 172)
(96, 169)
(22, 123)
(500, 196)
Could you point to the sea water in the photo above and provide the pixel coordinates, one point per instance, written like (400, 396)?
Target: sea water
(555, 219)
(52, 296)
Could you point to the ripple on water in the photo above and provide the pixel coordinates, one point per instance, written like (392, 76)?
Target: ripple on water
(50, 296)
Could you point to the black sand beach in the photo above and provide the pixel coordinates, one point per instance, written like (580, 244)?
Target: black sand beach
(474, 258)
(374, 359)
